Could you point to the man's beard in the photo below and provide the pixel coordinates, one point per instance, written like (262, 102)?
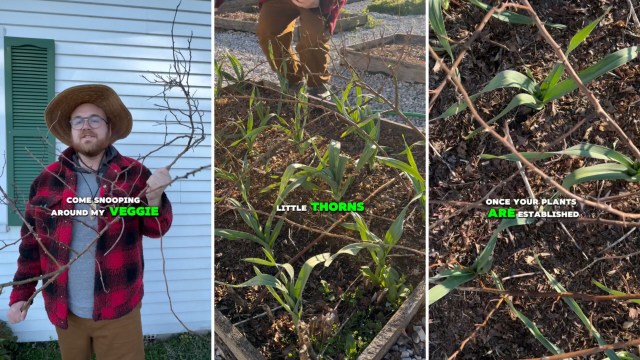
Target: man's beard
(91, 149)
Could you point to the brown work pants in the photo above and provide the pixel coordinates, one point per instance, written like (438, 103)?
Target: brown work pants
(119, 339)
(275, 26)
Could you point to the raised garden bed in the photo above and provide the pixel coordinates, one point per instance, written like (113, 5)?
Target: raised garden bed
(341, 309)
(401, 55)
(238, 19)
(246, 19)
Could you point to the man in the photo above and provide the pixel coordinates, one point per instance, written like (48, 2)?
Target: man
(276, 23)
(95, 302)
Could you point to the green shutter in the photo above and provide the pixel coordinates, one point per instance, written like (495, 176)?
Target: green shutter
(29, 75)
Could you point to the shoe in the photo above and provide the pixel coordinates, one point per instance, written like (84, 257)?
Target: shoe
(323, 91)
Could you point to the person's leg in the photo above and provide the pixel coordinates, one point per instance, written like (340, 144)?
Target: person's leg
(119, 339)
(313, 47)
(275, 26)
(75, 341)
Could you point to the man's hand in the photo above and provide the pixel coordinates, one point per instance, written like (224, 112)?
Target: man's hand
(307, 4)
(15, 315)
(157, 182)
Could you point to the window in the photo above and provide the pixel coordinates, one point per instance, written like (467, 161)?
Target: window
(29, 86)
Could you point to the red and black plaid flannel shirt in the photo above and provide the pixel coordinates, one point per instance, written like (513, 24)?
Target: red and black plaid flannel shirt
(119, 261)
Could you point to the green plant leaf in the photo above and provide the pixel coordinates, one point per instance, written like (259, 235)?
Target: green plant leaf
(531, 326)
(400, 165)
(251, 134)
(558, 70)
(573, 305)
(504, 79)
(613, 292)
(305, 272)
(436, 21)
(602, 67)
(625, 355)
(518, 100)
(581, 35)
(439, 291)
(248, 216)
(351, 249)
(395, 230)
(238, 235)
(259, 261)
(513, 18)
(584, 150)
(485, 259)
(607, 171)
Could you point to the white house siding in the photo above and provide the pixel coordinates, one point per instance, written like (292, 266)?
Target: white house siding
(115, 42)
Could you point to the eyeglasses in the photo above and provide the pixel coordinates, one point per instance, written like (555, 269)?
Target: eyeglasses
(95, 122)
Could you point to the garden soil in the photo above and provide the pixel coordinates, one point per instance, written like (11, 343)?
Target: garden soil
(459, 179)
(273, 334)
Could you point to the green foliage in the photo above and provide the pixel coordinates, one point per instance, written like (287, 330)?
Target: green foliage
(537, 95)
(367, 122)
(531, 326)
(264, 236)
(247, 128)
(412, 171)
(238, 75)
(294, 127)
(622, 168)
(436, 21)
(573, 305)
(512, 17)
(398, 7)
(383, 275)
(8, 342)
(357, 331)
(331, 170)
(327, 293)
(289, 288)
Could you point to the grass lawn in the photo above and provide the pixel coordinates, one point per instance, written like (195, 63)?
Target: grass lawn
(180, 346)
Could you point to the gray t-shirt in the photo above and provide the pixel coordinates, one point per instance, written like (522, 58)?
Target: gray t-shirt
(82, 271)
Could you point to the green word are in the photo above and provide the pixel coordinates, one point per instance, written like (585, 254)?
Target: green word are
(337, 206)
(501, 213)
(134, 211)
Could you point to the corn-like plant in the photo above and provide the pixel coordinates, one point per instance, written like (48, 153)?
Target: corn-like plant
(247, 128)
(264, 236)
(331, 170)
(573, 305)
(365, 119)
(411, 170)
(621, 168)
(287, 289)
(238, 75)
(382, 275)
(535, 95)
(531, 326)
(294, 127)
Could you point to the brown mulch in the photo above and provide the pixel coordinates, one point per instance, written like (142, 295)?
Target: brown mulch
(458, 178)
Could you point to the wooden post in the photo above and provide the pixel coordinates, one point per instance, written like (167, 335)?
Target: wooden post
(385, 339)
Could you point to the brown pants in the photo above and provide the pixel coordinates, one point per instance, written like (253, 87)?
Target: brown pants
(119, 339)
(275, 26)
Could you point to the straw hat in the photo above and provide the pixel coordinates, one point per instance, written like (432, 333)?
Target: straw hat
(58, 112)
